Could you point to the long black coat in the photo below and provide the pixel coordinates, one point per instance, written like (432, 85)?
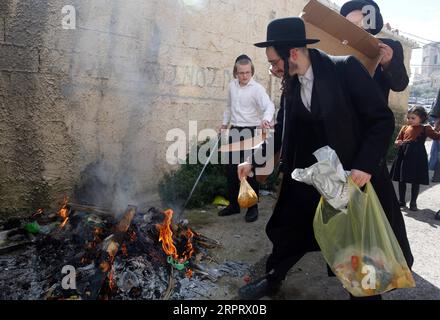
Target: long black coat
(395, 76)
(358, 124)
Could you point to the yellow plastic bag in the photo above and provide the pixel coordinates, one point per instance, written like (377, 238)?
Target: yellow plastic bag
(247, 196)
(359, 245)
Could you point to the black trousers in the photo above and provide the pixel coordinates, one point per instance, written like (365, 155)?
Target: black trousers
(235, 158)
(415, 189)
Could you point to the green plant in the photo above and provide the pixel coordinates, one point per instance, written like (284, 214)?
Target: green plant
(176, 186)
(272, 182)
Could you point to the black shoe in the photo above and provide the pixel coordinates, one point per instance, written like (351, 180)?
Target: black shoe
(229, 211)
(436, 180)
(378, 297)
(413, 207)
(258, 289)
(252, 214)
(437, 216)
(402, 204)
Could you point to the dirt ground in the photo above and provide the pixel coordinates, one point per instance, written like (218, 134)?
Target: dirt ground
(247, 242)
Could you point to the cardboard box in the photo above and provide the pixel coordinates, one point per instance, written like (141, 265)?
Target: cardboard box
(340, 37)
(248, 144)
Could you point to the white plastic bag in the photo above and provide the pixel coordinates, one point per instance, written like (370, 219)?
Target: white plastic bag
(327, 176)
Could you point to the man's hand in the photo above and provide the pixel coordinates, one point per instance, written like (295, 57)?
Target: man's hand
(222, 127)
(243, 170)
(387, 53)
(360, 178)
(265, 124)
(398, 143)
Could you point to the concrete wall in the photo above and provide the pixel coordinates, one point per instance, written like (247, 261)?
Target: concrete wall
(87, 110)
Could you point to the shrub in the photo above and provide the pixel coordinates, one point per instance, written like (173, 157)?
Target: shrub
(176, 186)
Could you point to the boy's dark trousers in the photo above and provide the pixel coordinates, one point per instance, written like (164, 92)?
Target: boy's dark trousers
(234, 159)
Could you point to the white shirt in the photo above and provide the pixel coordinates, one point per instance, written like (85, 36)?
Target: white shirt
(306, 87)
(247, 106)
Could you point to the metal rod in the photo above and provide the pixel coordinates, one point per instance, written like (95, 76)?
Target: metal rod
(201, 173)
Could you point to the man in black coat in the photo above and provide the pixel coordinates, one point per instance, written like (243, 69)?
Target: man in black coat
(391, 73)
(329, 101)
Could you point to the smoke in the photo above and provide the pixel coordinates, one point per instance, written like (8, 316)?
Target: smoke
(119, 54)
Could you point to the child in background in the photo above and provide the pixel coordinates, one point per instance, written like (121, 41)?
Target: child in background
(411, 163)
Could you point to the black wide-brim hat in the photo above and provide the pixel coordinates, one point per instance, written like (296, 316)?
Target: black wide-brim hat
(286, 31)
(351, 6)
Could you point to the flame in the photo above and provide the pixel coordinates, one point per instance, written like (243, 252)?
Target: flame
(166, 237)
(189, 249)
(64, 222)
(64, 212)
(189, 273)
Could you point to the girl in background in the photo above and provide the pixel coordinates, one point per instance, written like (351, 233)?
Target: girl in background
(411, 163)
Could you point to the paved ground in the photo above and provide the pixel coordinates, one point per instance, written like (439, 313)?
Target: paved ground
(248, 242)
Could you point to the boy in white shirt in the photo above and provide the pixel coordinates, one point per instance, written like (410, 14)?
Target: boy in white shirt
(249, 107)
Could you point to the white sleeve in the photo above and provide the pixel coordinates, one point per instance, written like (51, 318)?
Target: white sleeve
(265, 104)
(227, 113)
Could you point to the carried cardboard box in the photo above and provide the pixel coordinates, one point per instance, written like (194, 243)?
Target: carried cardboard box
(340, 37)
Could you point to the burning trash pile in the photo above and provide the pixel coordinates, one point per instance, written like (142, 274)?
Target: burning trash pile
(84, 252)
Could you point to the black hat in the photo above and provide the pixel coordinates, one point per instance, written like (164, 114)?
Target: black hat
(351, 6)
(286, 31)
(242, 57)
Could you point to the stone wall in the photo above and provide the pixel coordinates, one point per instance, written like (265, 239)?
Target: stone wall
(85, 111)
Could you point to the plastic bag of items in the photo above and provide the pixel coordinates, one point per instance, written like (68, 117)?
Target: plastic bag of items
(247, 196)
(359, 245)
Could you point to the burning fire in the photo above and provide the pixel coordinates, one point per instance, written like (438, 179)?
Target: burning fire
(64, 212)
(166, 237)
(189, 250)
